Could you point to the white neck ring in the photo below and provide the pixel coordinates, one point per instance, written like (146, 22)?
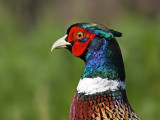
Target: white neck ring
(90, 86)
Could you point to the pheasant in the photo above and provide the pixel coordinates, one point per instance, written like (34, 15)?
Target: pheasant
(100, 94)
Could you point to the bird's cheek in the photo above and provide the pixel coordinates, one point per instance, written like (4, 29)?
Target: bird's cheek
(79, 48)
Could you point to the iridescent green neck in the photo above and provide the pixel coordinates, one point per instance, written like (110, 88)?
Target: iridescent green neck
(103, 59)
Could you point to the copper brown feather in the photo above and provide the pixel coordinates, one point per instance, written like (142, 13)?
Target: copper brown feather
(101, 107)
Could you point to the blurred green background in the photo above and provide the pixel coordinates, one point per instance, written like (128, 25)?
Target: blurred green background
(36, 84)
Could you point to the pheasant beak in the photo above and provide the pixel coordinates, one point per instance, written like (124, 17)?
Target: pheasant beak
(60, 43)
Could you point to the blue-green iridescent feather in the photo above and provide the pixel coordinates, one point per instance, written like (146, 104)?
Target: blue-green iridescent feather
(103, 56)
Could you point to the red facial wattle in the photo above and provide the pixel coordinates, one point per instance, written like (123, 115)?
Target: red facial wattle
(79, 47)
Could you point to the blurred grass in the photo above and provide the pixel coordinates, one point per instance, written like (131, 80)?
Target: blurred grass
(36, 84)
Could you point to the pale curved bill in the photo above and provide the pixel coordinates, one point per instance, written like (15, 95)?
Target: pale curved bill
(60, 43)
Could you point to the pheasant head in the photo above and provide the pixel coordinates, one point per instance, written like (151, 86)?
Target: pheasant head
(96, 45)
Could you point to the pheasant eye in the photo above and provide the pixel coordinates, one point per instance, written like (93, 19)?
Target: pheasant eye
(80, 35)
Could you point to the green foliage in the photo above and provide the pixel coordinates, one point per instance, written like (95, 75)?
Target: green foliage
(36, 84)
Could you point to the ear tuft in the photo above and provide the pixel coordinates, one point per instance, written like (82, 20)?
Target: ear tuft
(116, 33)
